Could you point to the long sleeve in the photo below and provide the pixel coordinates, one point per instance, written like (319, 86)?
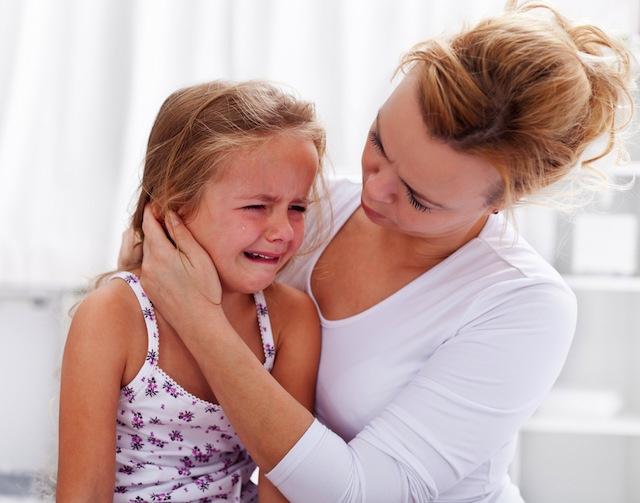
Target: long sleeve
(464, 405)
(353, 469)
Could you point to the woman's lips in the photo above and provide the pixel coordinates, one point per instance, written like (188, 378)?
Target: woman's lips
(373, 215)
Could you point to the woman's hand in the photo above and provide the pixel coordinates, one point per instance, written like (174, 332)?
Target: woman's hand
(184, 284)
(181, 281)
(130, 254)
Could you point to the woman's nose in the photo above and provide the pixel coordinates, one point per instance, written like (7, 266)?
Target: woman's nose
(380, 186)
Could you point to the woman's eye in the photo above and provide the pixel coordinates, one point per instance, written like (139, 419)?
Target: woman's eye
(375, 141)
(299, 209)
(254, 207)
(417, 204)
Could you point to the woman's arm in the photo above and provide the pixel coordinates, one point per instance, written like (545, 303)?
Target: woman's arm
(267, 492)
(92, 368)
(463, 407)
(192, 303)
(459, 412)
(296, 327)
(184, 286)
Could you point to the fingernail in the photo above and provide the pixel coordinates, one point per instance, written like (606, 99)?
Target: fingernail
(173, 218)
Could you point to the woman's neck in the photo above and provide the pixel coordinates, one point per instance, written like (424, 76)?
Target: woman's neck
(418, 252)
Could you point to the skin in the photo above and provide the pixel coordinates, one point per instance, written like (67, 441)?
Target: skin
(395, 244)
(399, 237)
(257, 204)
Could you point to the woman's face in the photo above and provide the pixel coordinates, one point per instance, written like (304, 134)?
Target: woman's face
(251, 219)
(418, 185)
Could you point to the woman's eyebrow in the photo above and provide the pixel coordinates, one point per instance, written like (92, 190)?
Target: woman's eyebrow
(379, 135)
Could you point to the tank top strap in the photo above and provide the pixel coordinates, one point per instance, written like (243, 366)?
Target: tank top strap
(148, 313)
(268, 344)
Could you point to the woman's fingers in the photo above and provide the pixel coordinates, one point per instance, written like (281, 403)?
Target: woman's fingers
(159, 254)
(203, 270)
(185, 267)
(181, 236)
(197, 257)
(130, 254)
(154, 237)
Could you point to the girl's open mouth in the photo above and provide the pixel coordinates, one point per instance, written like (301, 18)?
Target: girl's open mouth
(262, 257)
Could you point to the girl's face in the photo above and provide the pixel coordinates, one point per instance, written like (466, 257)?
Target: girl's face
(251, 217)
(416, 184)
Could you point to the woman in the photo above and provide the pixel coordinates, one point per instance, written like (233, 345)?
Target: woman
(442, 329)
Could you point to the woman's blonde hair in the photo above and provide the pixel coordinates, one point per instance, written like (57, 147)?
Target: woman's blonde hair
(198, 127)
(527, 92)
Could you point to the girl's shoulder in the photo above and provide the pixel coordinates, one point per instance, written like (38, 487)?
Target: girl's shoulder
(112, 302)
(290, 310)
(283, 297)
(109, 318)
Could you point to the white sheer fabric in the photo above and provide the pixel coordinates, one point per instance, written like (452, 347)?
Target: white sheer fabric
(80, 83)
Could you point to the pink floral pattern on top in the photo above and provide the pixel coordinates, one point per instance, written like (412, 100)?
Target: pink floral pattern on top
(170, 444)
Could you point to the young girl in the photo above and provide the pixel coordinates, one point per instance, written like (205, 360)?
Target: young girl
(138, 420)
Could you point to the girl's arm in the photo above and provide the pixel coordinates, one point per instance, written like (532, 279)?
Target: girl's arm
(92, 368)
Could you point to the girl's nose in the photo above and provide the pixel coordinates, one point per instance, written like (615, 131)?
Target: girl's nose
(280, 228)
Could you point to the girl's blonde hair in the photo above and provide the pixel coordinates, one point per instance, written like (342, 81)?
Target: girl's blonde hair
(527, 92)
(198, 127)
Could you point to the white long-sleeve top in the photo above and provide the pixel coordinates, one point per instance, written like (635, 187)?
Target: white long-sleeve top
(420, 397)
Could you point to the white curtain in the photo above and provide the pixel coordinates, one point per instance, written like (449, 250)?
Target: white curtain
(81, 81)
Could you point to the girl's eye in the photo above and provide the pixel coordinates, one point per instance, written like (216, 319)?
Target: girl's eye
(415, 203)
(375, 141)
(254, 207)
(299, 209)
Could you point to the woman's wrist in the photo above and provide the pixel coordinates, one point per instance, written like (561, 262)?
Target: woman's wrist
(200, 321)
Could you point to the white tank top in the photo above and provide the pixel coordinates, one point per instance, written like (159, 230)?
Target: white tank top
(171, 445)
